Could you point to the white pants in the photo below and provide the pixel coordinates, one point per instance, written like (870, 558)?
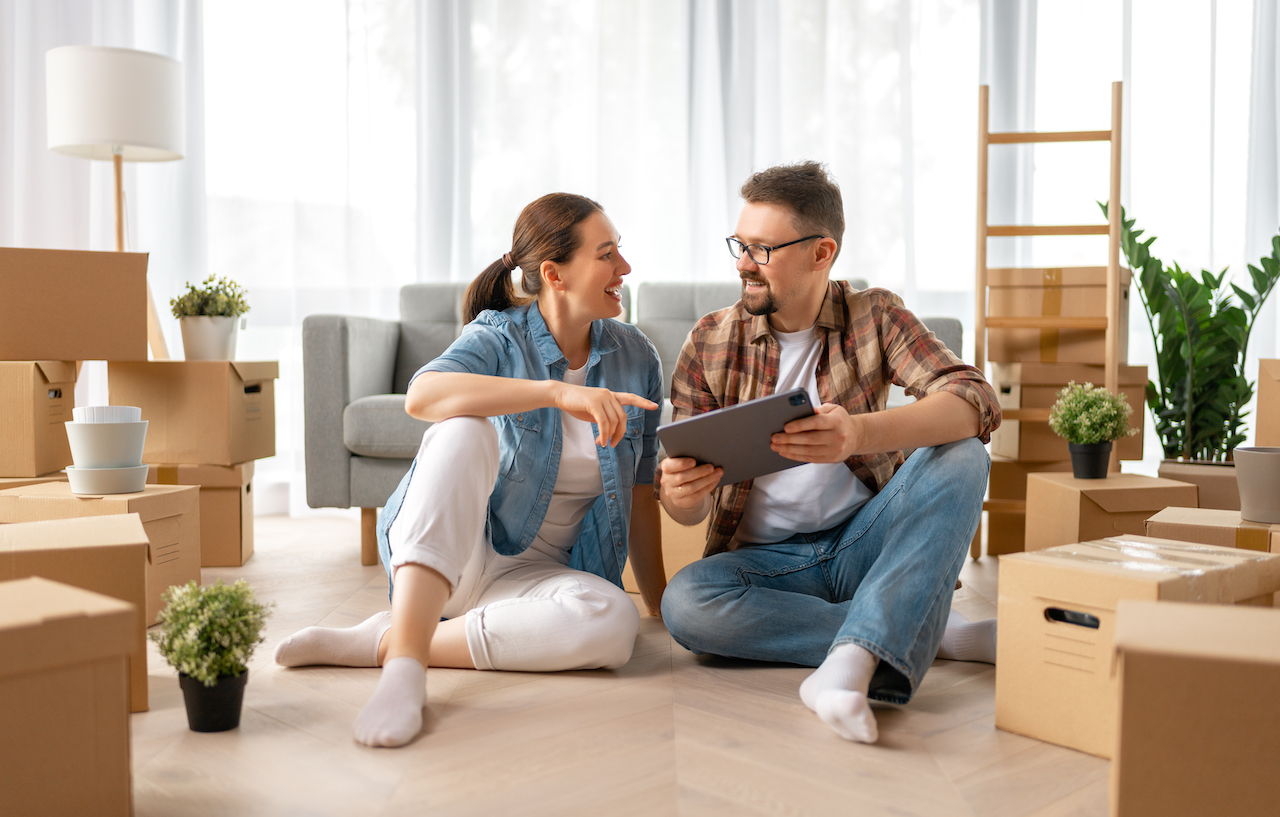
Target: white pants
(526, 613)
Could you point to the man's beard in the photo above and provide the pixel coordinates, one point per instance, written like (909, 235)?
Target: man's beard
(766, 306)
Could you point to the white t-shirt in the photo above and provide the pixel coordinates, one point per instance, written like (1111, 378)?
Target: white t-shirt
(809, 497)
(578, 483)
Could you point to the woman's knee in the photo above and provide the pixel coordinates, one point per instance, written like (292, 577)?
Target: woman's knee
(610, 625)
(474, 436)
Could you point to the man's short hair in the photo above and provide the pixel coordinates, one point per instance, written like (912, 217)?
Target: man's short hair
(805, 189)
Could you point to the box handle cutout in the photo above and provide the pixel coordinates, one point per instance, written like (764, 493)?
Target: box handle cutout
(1071, 617)
(1006, 389)
(55, 394)
(254, 388)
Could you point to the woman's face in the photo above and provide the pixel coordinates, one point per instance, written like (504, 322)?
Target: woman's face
(593, 277)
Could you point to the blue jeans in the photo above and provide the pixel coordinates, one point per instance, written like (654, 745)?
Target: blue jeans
(883, 579)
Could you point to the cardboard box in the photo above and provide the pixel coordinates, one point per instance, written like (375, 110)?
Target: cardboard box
(71, 305)
(1008, 477)
(1268, 413)
(1036, 385)
(1006, 506)
(18, 482)
(1216, 481)
(1006, 533)
(170, 516)
(680, 546)
(1199, 711)
(64, 700)
(226, 508)
(217, 412)
(1062, 510)
(107, 555)
(36, 398)
(1211, 526)
(1066, 292)
(1056, 612)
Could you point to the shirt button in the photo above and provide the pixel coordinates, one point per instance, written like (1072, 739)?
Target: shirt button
(613, 496)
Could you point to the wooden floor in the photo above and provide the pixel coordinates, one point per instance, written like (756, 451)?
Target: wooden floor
(667, 734)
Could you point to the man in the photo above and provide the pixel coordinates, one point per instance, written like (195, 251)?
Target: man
(847, 563)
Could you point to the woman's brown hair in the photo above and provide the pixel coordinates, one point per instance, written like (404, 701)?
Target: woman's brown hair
(547, 230)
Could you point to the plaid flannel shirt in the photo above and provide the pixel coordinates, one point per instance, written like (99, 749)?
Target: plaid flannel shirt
(869, 340)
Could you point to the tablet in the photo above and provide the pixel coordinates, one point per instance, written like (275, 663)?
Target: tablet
(737, 438)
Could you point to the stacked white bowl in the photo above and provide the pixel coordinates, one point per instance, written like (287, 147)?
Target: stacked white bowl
(106, 446)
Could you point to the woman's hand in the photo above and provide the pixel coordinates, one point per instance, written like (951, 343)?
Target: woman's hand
(600, 406)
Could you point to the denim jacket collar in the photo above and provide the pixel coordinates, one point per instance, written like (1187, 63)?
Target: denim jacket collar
(602, 341)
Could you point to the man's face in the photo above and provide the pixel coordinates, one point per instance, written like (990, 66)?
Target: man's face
(788, 277)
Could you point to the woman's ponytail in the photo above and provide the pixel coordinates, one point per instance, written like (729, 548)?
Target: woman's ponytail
(492, 289)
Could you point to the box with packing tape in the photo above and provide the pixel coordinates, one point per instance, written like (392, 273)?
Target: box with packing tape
(107, 555)
(215, 412)
(226, 508)
(1062, 510)
(36, 398)
(1216, 481)
(1199, 722)
(1056, 616)
(72, 305)
(1036, 386)
(170, 516)
(1070, 292)
(1211, 526)
(64, 699)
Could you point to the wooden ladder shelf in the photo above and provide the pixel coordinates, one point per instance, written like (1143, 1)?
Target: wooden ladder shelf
(1109, 324)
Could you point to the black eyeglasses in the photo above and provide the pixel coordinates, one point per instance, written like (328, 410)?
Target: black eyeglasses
(759, 253)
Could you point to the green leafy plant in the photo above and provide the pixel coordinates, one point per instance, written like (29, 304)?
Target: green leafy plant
(1088, 414)
(215, 298)
(210, 632)
(1201, 337)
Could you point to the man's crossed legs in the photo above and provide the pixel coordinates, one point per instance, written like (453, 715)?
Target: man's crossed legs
(866, 602)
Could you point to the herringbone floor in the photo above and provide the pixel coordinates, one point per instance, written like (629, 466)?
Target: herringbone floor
(667, 734)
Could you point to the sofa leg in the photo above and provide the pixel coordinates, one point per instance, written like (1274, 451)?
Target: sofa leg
(368, 536)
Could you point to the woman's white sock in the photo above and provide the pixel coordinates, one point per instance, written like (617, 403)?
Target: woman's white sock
(342, 647)
(393, 715)
(837, 693)
(966, 640)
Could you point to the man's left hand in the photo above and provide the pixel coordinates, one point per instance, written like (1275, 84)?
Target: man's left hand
(831, 434)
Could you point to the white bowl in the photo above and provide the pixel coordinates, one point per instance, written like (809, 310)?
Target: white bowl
(107, 445)
(129, 480)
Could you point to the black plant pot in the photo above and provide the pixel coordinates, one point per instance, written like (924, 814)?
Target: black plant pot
(1089, 461)
(215, 708)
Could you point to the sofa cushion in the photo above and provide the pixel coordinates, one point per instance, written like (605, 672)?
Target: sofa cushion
(378, 426)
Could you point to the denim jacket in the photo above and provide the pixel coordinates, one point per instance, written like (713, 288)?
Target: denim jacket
(517, 343)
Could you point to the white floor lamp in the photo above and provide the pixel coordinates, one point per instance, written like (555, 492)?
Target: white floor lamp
(118, 104)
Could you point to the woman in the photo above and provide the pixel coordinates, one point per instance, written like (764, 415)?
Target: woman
(514, 528)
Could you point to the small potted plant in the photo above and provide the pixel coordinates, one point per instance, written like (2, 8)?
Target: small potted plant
(207, 634)
(210, 318)
(1090, 418)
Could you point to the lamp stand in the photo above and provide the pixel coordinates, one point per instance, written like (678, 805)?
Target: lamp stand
(155, 337)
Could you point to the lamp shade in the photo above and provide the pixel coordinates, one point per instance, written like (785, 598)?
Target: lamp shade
(99, 98)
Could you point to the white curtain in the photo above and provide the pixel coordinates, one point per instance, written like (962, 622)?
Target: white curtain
(1262, 206)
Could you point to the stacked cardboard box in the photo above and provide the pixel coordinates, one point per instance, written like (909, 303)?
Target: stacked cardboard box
(1028, 369)
(1199, 722)
(64, 699)
(1057, 620)
(208, 421)
(1268, 403)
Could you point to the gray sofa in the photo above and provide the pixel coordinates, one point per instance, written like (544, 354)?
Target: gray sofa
(360, 441)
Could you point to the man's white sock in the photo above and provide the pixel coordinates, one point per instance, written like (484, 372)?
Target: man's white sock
(393, 715)
(837, 692)
(342, 647)
(966, 640)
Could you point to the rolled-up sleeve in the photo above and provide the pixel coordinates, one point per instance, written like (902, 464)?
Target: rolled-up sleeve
(923, 365)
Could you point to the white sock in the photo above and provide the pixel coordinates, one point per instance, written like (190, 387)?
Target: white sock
(393, 715)
(343, 647)
(966, 640)
(837, 692)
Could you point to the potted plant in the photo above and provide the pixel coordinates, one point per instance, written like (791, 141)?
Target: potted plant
(1090, 418)
(210, 318)
(207, 634)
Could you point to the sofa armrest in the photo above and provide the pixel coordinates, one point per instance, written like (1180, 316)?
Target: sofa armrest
(344, 358)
